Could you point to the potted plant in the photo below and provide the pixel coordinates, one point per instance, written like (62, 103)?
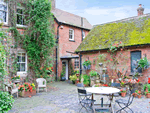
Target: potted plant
(77, 73)
(123, 92)
(86, 80)
(16, 79)
(87, 64)
(143, 63)
(138, 92)
(93, 74)
(146, 88)
(27, 90)
(63, 78)
(73, 78)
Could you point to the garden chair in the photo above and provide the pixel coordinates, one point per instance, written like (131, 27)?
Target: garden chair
(126, 103)
(9, 88)
(41, 83)
(85, 100)
(116, 85)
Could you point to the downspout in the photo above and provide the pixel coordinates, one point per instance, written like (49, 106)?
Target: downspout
(57, 40)
(82, 28)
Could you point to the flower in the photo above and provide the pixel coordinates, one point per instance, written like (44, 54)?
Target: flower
(138, 80)
(111, 59)
(122, 91)
(120, 42)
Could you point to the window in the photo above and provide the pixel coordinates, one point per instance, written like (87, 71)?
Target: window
(135, 55)
(20, 16)
(83, 35)
(71, 34)
(76, 63)
(22, 63)
(3, 12)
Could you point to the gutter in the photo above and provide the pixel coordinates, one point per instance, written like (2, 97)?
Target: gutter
(108, 48)
(57, 40)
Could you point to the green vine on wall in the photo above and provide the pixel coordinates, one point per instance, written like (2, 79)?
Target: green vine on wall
(38, 39)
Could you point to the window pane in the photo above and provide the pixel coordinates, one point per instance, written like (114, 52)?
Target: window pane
(19, 19)
(19, 11)
(18, 65)
(19, 58)
(23, 58)
(3, 16)
(136, 55)
(22, 67)
(2, 7)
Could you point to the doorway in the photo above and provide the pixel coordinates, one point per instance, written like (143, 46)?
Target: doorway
(65, 64)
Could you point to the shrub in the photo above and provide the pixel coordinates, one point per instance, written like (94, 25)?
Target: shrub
(93, 73)
(86, 79)
(6, 101)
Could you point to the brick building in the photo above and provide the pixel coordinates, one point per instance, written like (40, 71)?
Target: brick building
(70, 30)
(134, 49)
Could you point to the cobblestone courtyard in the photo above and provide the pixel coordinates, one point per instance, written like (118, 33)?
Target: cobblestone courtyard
(62, 98)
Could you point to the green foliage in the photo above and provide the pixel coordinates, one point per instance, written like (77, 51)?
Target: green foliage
(93, 73)
(86, 79)
(143, 62)
(146, 86)
(6, 102)
(73, 77)
(86, 63)
(63, 71)
(38, 39)
(133, 32)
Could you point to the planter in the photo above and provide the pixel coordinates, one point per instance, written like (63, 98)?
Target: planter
(139, 96)
(73, 82)
(123, 94)
(135, 95)
(27, 93)
(63, 78)
(148, 95)
(85, 67)
(77, 74)
(77, 81)
(89, 67)
(92, 78)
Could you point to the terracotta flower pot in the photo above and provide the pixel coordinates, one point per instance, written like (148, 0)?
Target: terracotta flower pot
(123, 94)
(148, 95)
(27, 93)
(135, 95)
(139, 96)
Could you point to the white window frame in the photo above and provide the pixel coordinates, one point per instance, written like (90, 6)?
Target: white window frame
(20, 25)
(4, 3)
(23, 62)
(71, 34)
(76, 61)
(83, 35)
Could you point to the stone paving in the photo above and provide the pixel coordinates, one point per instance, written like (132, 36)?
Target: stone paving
(62, 98)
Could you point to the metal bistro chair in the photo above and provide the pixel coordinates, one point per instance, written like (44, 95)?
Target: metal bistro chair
(126, 103)
(116, 85)
(85, 100)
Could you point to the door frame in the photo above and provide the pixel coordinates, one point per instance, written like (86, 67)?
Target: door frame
(66, 68)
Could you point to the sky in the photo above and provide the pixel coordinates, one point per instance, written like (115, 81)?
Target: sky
(103, 11)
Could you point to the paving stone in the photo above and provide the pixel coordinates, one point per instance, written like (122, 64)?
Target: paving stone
(62, 97)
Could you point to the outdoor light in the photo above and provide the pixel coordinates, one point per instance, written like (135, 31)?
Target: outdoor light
(100, 64)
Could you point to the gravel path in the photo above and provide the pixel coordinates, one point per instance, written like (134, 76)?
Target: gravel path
(62, 98)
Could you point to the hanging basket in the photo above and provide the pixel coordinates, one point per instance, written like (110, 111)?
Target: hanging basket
(87, 67)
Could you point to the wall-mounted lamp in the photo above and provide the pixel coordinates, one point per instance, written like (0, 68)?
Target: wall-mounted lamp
(61, 27)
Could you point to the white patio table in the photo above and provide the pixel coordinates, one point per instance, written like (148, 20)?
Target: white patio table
(103, 91)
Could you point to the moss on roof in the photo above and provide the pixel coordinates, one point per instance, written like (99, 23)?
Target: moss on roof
(131, 32)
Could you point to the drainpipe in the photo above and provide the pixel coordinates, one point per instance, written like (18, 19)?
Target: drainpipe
(57, 40)
(81, 28)
(80, 64)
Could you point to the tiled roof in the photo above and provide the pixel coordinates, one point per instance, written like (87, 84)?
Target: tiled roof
(71, 19)
(103, 35)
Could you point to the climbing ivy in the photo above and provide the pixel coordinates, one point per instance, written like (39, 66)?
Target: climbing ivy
(38, 39)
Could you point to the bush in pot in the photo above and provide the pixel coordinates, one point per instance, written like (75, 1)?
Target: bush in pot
(63, 78)
(73, 78)
(93, 74)
(87, 64)
(146, 88)
(86, 80)
(6, 102)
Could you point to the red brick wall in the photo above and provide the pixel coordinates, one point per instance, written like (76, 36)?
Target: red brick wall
(125, 63)
(65, 44)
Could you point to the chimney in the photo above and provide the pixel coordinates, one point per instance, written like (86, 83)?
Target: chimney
(140, 10)
(53, 2)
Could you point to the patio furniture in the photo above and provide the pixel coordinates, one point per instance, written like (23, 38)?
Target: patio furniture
(81, 85)
(103, 91)
(9, 88)
(116, 85)
(125, 103)
(85, 100)
(41, 83)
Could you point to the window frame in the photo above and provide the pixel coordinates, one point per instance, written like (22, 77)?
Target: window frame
(20, 25)
(83, 35)
(72, 34)
(23, 62)
(4, 3)
(131, 59)
(76, 61)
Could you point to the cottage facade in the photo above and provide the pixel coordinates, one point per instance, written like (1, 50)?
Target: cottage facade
(99, 40)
